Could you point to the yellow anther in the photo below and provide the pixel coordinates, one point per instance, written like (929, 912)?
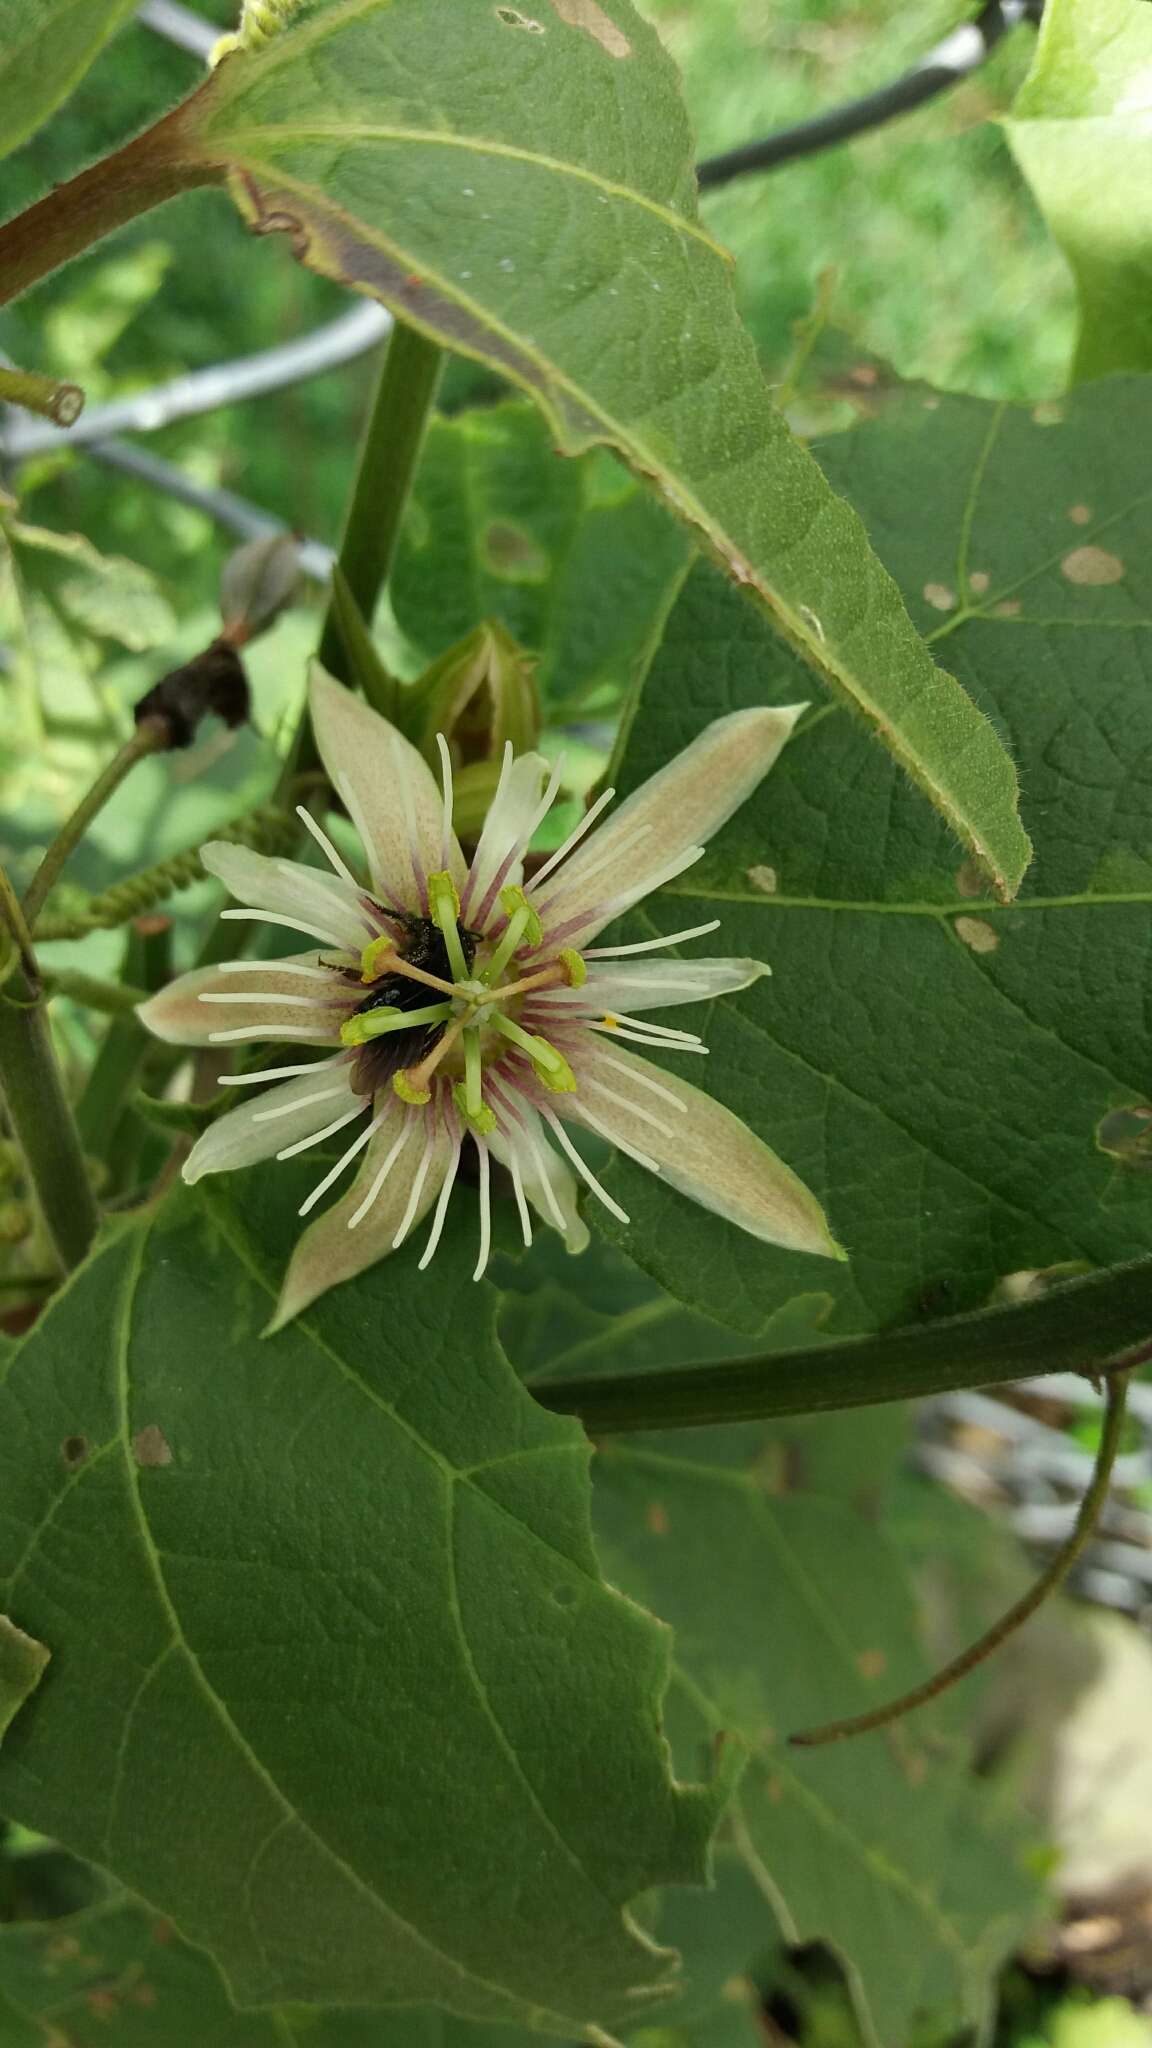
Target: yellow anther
(574, 965)
(515, 905)
(377, 957)
(482, 1119)
(402, 1087)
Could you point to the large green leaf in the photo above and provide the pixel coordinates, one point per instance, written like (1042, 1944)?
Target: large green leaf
(46, 47)
(790, 1605)
(1080, 131)
(574, 559)
(336, 1683)
(518, 183)
(945, 1072)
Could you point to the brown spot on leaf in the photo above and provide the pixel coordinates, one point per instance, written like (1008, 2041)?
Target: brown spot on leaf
(102, 2004)
(864, 374)
(1010, 609)
(1126, 1135)
(979, 581)
(765, 879)
(588, 15)
(1092, 565)
(1048, 414)
(872, 1663)
(513, 554)
(1080, 515)
(775, 1791)
(162, 1932)
(976, 934)
(144, 1994)
(511, 19)
(150, 1446)
(940, 597)
(74, 1450)
(969, 880)
(657, 1519)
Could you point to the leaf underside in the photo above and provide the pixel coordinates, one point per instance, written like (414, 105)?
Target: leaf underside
(520, 186)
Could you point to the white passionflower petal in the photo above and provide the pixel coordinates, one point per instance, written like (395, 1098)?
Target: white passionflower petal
(330, 1251)
(511, 819)
(290, 1117)
(269, 999)
(395, 803)
(678, 809)
(285, 892)
(653, 985)
(543, 1177)
(707, 1153)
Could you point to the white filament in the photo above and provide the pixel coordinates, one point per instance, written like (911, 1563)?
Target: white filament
(622, 1145)
(417, 1189)
(359, 1214)
(584, 1170)
(646, 1116)
(291, 924)
(261, 1031)
(318, 1137)
(574, 837)
(334, 1173)
(274, 967)
(485, 1210)
(267, 1116)
(326, 847)
(434, 1235)
(646, 1081)
(696, 931)
(273, 1074)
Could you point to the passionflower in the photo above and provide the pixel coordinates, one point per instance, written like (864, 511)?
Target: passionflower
(466, 1005)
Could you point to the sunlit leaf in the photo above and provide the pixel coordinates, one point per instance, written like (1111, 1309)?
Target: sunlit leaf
(519, 184)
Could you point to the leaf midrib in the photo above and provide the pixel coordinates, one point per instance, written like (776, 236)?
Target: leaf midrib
(240, 142)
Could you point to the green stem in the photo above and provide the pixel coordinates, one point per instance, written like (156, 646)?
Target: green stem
(388, 457)
(68, 220)
(1080, 1326)
(43, 1126)
(1091, 1508)
(148, 738)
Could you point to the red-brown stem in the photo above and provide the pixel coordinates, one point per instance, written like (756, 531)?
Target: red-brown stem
(74, 216)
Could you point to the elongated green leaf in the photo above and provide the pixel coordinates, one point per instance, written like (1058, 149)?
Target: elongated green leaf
(518, 183)
(46, 47)
(574, 559)
(790, 1605)
(341, 1585)
(955, 1079)
(22, 1662)
(1080, 132)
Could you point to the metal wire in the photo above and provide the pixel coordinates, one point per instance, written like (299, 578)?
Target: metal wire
(959, 54)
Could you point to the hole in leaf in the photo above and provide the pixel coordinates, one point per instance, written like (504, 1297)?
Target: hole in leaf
(1126, 1135)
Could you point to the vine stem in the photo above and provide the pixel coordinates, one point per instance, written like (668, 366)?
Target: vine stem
(38, 1110)
(150, 737)
(390, 452)
(1091, 1507)
(155, 166)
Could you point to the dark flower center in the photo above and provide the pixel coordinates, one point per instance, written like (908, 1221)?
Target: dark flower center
(422, 945)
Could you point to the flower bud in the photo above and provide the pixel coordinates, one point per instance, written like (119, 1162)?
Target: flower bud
(479, 695)
(258, 583)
